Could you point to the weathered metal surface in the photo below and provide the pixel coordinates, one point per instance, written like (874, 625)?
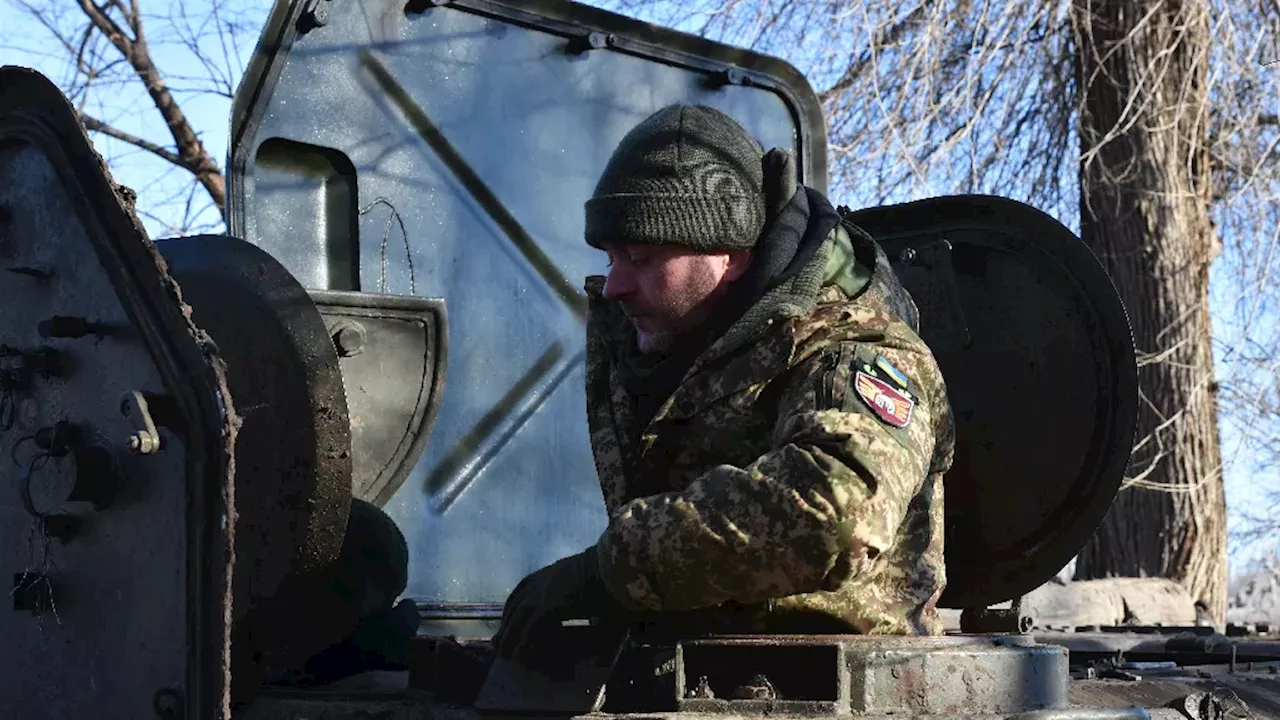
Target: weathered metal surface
(293, 454)
(394, 351)
(812, 676)
(1183, 645)
(981, 677)
(119, 559)
(384, 695)
(445, 151)
(1259, 693)
(1039, 361)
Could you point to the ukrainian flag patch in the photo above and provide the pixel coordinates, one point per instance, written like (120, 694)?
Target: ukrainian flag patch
(894, 374)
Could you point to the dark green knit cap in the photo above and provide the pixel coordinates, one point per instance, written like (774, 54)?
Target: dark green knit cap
(687, 175)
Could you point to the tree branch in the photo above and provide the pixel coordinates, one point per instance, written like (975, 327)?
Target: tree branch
(884, 37)
(107, 27)
(98, 126)
(191, 152)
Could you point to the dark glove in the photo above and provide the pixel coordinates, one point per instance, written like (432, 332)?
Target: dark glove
(568, 589)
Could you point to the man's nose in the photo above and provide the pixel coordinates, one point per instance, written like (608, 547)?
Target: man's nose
(618, 283)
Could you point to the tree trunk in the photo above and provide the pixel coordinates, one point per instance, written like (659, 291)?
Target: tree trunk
(1145, 193)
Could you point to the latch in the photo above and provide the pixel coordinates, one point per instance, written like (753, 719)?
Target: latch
(146, 439)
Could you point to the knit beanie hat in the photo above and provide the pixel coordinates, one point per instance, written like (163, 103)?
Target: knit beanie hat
(687, 175)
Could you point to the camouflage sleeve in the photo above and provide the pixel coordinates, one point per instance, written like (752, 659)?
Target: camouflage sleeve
(819, 508)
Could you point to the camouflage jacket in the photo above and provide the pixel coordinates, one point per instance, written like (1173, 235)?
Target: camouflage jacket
(797, 467)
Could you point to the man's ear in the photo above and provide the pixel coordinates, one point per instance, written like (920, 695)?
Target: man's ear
(739, 261)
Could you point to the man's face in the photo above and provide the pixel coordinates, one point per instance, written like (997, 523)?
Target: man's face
(669, 290)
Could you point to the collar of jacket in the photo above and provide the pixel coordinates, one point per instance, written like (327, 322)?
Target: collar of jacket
(754, 349)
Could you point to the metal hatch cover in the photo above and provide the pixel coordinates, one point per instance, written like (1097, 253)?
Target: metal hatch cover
(444, 150)
(1038, 357)
(121, 443)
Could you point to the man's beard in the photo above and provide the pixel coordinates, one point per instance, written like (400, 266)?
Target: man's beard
(692, 325)
(656, 343)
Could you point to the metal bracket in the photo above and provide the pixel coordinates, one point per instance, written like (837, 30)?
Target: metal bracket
(978, 621)
(732, 76)
(591, 41)
(937, 255)
(314, 15)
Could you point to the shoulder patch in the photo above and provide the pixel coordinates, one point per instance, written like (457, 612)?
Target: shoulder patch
(889, 403)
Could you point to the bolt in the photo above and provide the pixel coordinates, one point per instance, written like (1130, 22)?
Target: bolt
(144, 443)
(316, 16)
(907, 256)
(349, 340)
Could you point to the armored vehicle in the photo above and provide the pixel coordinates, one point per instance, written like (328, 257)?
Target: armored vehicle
(226, 457)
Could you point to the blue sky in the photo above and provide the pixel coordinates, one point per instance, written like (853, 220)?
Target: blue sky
(159, 185)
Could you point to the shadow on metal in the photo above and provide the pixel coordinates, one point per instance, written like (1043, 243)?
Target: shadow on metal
(430, 133)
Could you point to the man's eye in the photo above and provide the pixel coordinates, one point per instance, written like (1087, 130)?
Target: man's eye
(640, 261)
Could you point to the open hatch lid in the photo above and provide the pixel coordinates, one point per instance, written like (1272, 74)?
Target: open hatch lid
(444, 150)
(1038, 357)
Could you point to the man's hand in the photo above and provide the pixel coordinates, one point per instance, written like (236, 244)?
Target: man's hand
(568, 589)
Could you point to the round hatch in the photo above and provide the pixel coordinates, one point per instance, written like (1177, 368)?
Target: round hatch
(1038, 357)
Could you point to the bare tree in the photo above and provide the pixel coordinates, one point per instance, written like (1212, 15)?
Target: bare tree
(1145, 188)
(1244, 135)
(107, 54)
(925, 97)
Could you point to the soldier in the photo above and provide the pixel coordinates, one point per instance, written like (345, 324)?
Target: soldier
(769, 430)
